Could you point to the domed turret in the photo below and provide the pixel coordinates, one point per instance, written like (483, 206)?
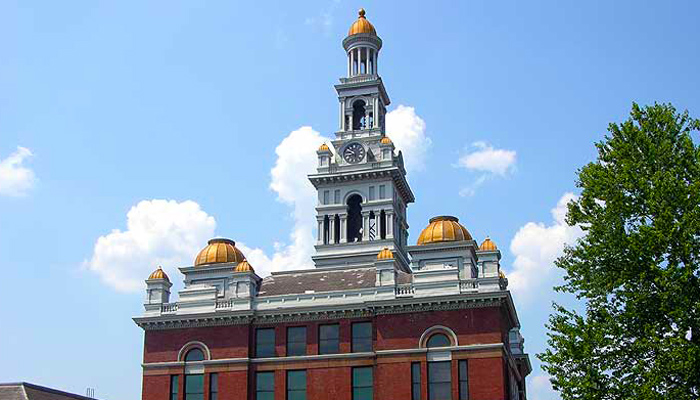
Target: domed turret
(361, 25)
(219, 250)
(385, 254)
(385, 140)
(244, 266)
(443, 229)
(488, 245)
(159, 274)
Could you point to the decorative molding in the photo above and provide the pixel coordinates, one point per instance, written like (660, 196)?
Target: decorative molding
(437, 328)
(191, 345)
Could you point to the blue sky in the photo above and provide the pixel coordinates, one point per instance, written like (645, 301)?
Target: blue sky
(198, 116)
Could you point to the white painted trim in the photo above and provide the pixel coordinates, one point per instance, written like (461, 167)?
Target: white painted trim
(314, 357)
(191, 345)
(436, 328)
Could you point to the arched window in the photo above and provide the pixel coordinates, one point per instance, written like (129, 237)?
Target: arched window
(358, 115)
(438, 340)
(195, 354)
(354, 218)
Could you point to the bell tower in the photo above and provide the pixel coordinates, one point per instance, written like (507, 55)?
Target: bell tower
(361, 181)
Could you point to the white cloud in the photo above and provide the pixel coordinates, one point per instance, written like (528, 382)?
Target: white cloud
(324, 19)
(15, 179)
(540, 388)
(535, 247)
(158, 232)
(489, 162)
(407, 130)
(486, 158)
(296, 158)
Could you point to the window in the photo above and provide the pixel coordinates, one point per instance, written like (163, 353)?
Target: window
(194, 387)
(382, 191)
(213, 386)
(296, 385)
(174, 386)
(371, 192)
(265, 342)
(336, 196)
(439, 380)
(296, 341)
(328, 342)
(463, 380)
(195, 354)
(265, 386)
(326, 195)
(362, 383)
(439, 340)
(361, 337)
(415, 381)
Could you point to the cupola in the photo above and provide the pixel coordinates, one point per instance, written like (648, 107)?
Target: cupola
(159, 274)
(244, 266)
(443, 228)
(361, 25)
(219, 250)
(488, 245)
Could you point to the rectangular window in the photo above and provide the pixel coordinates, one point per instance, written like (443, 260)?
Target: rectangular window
(463, 380)
(382, 191)
(439, 380)
(362, 383)
(336, 196)
(326, 195)
(328, 339)
(194, 387)
(214, 386)
(296, 341)
(265, 342)
(174, 386)
(265, 386)
(415, 381)
(296, 385)
(371, 192)
(361, 337)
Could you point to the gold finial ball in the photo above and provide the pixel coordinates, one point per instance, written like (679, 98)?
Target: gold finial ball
(361, 12)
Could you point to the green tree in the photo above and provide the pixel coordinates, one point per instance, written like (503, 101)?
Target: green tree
(637, 268)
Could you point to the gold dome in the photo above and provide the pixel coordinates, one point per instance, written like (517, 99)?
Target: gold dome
(159, 274)
(323, 147)
(501, 274)
(385, 254)
(488, 245)
(443, 229)
(219, 250)
(244, 266)
(385, 140)
(361, 25)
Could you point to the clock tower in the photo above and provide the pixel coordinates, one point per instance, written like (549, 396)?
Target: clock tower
(361, 179)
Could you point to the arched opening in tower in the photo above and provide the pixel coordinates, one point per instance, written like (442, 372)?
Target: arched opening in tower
(336, 229)
(354, 218)
(358, 115)
(326, 230)
(382, 225)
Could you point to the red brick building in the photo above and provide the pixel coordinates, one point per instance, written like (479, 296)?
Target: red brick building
(376, 318)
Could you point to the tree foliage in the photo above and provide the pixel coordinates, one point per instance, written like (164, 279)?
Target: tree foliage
(637, 268)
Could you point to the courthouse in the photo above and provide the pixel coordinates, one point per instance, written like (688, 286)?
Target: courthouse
(379, 317)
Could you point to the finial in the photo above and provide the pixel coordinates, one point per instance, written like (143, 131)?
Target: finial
(362, 12)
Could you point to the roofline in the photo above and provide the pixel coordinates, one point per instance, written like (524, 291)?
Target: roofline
(47, 389)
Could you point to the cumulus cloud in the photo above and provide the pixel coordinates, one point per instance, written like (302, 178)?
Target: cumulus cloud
(324, 19)
(407, 130)
(488, 161)
(296, 158)
(535, 246)
(158, 232)
(486, 158)
(15, 179)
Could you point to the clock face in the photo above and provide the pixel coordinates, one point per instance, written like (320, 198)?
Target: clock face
(354, 153)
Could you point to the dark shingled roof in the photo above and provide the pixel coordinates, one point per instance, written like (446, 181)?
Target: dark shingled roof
(322, 281)
(29, 391)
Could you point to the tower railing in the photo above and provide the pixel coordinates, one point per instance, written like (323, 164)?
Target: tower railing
(360, 78)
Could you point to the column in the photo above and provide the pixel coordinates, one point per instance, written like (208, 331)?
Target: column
(319, 233)
(343, 229)
(376, 71)
(342, 115)
(352, 62)
(389, 224)
(375, 104)
(365, 225)
(331, 227)
(349, 64)
(367, 60)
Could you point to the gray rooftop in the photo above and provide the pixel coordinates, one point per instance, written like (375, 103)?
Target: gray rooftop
(30, 391)
(322, 281)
